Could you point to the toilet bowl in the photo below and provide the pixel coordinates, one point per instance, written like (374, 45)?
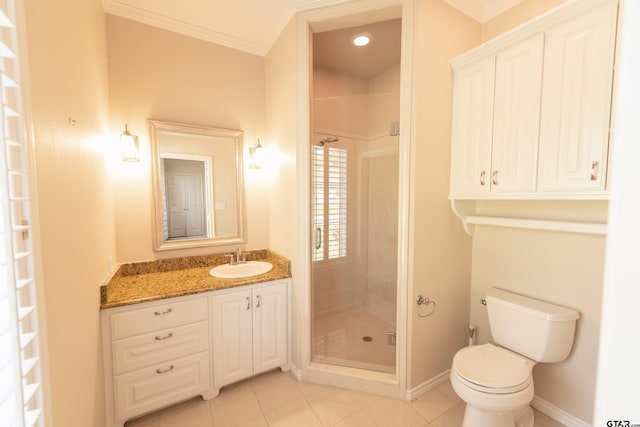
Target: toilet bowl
(496, 381)
(496, 384)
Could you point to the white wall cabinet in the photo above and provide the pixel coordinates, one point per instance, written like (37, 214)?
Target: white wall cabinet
(250, 333)
(496, 116)
(531, 108)
(163, 352)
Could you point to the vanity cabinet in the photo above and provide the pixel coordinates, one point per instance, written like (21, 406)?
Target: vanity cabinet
(156, 354)
(162, 352)
(531, 109)
(250, 331)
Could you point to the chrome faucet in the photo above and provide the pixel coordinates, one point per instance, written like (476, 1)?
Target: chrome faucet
(241, 257)
(238, 258)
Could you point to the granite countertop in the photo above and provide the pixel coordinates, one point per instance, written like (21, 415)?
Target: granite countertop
(167, 278)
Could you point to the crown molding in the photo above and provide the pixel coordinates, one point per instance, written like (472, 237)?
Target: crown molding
(114, 7)
(482, 11)
(302, 5)
(472, 9)
(495, 8)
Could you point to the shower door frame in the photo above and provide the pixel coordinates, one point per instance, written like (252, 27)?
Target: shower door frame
(325, 19)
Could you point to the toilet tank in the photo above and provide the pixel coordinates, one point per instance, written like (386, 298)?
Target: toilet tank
(536, 329)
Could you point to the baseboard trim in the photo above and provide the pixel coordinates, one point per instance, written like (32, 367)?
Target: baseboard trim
(297, 373)
(432, 383)
(557, 414)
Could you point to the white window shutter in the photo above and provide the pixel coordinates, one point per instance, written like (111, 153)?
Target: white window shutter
(21, 400)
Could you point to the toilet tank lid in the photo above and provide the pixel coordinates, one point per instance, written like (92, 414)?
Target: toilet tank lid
(531, 306)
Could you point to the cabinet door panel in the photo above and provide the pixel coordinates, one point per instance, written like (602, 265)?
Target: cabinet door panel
(514, 158)
(577, 81)
(472, 132)
(270, 328)
(232, 337)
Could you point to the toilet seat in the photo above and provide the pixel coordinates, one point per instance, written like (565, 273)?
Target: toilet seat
(490, 369)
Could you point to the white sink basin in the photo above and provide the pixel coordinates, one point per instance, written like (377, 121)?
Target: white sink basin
(239, 271)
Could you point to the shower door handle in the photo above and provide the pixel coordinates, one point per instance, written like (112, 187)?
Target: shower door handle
(318, 238)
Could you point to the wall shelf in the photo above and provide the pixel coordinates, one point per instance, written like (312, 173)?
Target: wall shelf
(537, 224)
(464, 209)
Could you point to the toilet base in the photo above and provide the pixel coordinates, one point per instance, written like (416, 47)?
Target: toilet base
(475, 417)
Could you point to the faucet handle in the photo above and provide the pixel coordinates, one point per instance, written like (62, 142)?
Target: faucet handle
(230, 257)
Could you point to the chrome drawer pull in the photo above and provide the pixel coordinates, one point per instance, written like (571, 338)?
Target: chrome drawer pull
(160, 313)
(165, 337)
(164, 371)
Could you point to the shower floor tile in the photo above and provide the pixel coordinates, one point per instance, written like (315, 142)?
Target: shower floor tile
(356, 338)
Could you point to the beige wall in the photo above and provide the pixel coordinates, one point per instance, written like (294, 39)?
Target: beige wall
(68, 78)
(340, 104)
(440, 251)
(281, 110)
(159, 74)
(519, 14)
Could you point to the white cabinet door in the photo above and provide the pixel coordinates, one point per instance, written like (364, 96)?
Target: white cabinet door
(472, 130)
(576, 103)
(270, 349)
(250, 332)
(232, 337)
(514, 154)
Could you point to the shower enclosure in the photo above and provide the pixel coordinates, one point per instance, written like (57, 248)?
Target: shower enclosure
(354, 209)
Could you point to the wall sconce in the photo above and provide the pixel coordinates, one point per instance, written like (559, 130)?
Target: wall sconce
(256, 155)
(129, 146)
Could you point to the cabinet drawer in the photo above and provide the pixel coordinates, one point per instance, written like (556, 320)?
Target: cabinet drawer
(148, 389)
(149, 349)
(157, 318)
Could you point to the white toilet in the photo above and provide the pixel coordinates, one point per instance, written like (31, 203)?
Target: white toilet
(496, 381)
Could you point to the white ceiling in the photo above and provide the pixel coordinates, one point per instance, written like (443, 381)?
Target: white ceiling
(250, 25)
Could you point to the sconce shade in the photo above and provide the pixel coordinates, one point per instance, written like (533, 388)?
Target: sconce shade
(256, 155)
(129, 146)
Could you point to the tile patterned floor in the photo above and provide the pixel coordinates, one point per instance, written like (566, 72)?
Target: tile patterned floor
(276, 399)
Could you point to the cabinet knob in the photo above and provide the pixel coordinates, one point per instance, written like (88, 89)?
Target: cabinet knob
(594, 170)
(494, 177)
(483, 174)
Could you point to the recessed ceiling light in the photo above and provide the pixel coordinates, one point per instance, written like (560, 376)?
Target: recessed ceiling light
(361, 39)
